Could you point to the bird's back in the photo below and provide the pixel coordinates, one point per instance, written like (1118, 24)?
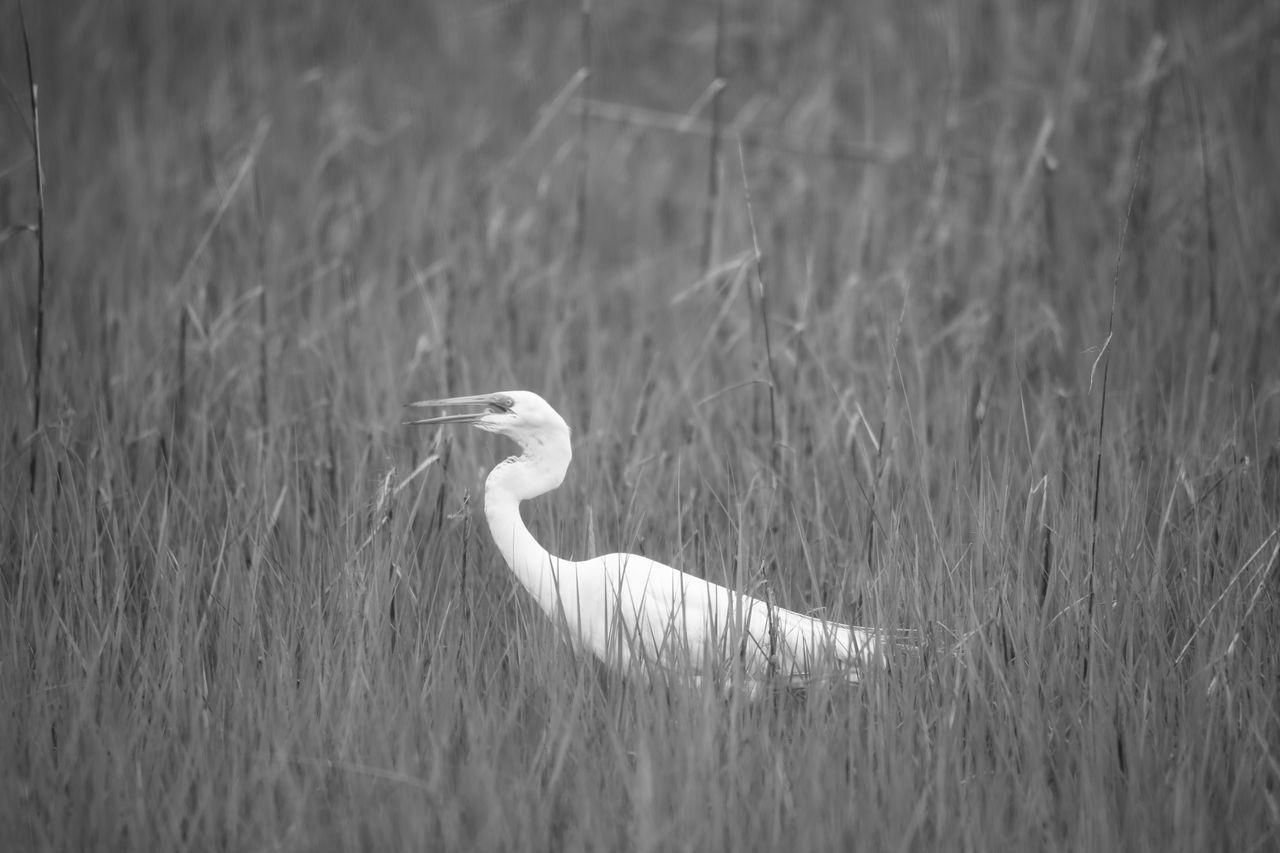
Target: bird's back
(629, 610)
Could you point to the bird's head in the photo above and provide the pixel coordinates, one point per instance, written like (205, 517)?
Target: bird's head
(522, 416)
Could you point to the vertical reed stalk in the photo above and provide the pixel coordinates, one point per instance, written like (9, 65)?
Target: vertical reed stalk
(1104, 357)
(764, 320)
(264, 375)
(1210, 231)
(713, 155)
(584, 153)
(40, 248)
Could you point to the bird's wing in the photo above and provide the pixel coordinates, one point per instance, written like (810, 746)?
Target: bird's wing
(653, 612)
(672, 618)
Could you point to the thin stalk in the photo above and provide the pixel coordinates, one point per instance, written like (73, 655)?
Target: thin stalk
(1211, 235)
(873, 499)
(40, 248)
(1102, 408)
(764, 320)
(713, 157)
(584, 120)
(180, 402)
(264, 375)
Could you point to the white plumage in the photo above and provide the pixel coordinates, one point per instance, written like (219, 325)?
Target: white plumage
(628, 610)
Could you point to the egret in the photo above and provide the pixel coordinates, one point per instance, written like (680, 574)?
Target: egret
(628, 610)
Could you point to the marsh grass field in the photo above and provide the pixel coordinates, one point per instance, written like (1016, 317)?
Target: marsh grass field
(1006, 379)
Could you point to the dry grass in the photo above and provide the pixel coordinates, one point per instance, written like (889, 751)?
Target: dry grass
(240, 612)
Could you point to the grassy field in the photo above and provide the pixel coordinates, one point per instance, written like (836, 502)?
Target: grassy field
(1007, 376)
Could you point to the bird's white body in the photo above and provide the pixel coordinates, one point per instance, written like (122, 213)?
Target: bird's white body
(633, 612)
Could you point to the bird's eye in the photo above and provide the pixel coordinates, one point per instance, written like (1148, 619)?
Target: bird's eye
(501, 404)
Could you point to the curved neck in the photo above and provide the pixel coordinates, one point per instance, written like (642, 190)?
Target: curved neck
(512, 481)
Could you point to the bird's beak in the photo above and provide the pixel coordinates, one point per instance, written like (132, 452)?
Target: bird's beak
(485, 400)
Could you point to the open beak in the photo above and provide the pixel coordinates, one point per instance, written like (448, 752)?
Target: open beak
(489, 401)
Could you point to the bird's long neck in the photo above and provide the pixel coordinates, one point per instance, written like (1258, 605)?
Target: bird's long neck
(514, 480)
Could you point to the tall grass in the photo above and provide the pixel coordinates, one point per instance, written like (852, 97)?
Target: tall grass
(244, 608)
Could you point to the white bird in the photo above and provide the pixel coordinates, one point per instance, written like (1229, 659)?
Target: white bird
(631, 611)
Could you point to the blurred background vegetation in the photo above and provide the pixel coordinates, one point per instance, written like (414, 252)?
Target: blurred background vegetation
(268, 225)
